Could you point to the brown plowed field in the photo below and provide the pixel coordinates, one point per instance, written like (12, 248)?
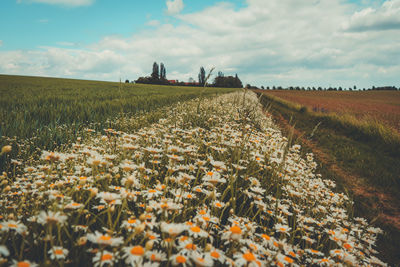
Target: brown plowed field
(383, 106)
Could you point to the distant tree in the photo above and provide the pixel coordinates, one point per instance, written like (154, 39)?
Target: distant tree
(262, 87)
(237, 82)
(155, 75)
(163, 75)
(355, 87)
(202, 76)
(191, 80)
(340, 88)
(126, 81)
(227, 81)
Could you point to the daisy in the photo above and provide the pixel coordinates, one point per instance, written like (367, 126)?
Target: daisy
(151, 193)
(134, 255)
(103, 258)
(285, 260)
(130, 224)
(187, 247)
(173, 229)
(58, 253)
(104, 239)
(217, 255)
(282, 228)
(323, 262)
(314, 252)
(109, 198)
(218, 165)
(247, 259)
(17, 226)
(218, 204)
(201, 260)
(213, 177)
(156, 256)
(180, 259)
(73, 206)
(234, 232)
(23, 263)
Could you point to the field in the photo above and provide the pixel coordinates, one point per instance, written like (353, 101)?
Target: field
(210, 181)
(45, 113)
(361, 155)
(382, 106)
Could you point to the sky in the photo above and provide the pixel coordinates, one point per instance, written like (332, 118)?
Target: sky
(266, 42)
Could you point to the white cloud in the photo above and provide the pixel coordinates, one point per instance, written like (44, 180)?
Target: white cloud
(1, 42)
(385, 17)
(174, 6)
(267, 43)
(71, 3)
(66, 44)
(153, 23)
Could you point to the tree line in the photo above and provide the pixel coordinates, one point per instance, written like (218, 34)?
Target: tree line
(159, 76)
(298, 88)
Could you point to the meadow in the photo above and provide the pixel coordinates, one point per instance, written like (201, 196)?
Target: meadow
(211, 182)
(44, 113)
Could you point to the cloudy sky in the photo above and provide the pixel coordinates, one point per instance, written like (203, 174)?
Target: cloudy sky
(267, 42)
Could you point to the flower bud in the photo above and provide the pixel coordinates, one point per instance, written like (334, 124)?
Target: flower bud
(6, 149)
(140, 228)
(149, 245)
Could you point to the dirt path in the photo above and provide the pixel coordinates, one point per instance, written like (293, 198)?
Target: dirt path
(386, 205)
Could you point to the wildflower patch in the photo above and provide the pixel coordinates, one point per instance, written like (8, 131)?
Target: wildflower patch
(213, 183)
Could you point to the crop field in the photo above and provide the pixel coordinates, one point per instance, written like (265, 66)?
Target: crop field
(44, 113)
(207, 182)
(382, 106)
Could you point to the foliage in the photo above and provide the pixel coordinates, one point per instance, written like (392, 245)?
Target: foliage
(202, 77)
(155, 75)
(163, 72)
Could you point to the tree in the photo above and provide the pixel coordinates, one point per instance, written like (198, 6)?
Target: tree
(202, 76)
(227, 81)
(163, 75)
(155, 75)
(238, 82)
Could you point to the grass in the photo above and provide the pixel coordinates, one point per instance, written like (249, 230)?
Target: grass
(45, 113)
(368, 150)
